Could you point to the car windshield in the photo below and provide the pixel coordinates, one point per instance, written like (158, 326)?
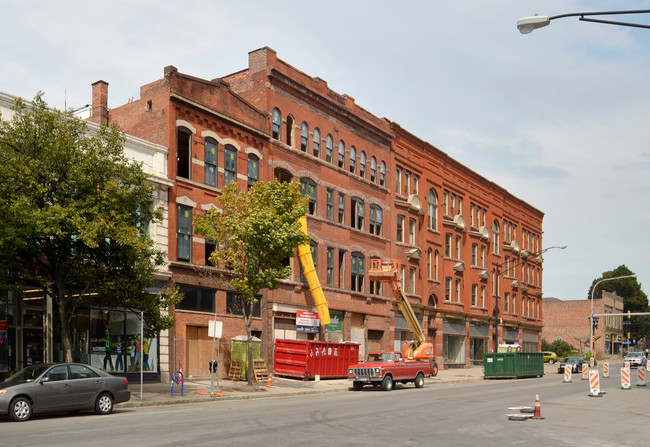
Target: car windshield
(635, 354)
(381, 357)
(28, 374)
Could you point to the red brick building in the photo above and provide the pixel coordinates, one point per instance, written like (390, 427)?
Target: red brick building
(569, 321)
(467, 245)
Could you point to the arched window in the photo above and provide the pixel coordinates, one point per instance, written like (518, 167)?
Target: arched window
(341, 154)
(432, 210)
(253, 169)
(230, 164)
(373, 169)
(183, 152)
(495, 237)
(316, 142)
(211, 147)
(357, 272)
(277, 123)
(329, 148)
(382, 173)
(432, 301)
(290, 124)
(362, 164)
(353, 160)
(282, 175)
(304, 136)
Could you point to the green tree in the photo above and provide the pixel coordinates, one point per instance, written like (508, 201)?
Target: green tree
(560, 347)
(73, 217)
(255, 232)
(634, 298)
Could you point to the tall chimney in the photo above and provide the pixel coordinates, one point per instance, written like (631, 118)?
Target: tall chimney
(100, 103)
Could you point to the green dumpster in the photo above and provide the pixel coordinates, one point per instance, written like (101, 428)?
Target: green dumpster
(239, 351)
(513, 365)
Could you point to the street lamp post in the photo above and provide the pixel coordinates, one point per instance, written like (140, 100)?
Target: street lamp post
(527, 25)
(591, 316)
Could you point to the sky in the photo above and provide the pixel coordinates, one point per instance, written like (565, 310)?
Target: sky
(556, 117)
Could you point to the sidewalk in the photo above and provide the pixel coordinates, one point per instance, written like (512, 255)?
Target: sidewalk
(198, 390)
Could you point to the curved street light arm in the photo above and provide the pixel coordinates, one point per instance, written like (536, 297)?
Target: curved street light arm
(526, 25)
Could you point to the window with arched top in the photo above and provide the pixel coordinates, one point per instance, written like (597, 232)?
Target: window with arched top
(230, 164)
(382, 173)
(253, 169)
(353, 160)
(277, 123)
(496, 237)
(282, 175)
(432, 210)
(432, 301)
(308, 188)
(341, 154)
(316, 145)
(290, 124)
(362, 164)
(373, 169)
(304, 137)
(329, 148)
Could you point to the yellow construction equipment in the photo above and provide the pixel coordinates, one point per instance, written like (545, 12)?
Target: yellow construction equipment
(308, 269)
(387, 270)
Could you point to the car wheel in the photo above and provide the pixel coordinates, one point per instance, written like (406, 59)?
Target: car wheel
(357, 386)
(419, 380)
(20, 409)
(434, 370)
(387, 383)
(104, 404)
(551, 361)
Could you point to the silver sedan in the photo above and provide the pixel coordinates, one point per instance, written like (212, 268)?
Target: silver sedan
(59, 387)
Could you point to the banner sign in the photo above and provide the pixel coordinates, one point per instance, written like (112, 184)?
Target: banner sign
(336, 322)
(307, 322)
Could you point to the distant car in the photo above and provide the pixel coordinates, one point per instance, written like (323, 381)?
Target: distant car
(60, 387)
(636, 359)
(575, 362)
(550, 357)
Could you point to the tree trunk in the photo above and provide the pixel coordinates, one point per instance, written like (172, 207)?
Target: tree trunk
(249, 351)
(66, 338)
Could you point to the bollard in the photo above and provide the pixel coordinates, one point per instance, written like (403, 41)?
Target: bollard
(625, 379)
(585, 371)
(594, 383)
(567, 374)
(605, 370)
(640, 376)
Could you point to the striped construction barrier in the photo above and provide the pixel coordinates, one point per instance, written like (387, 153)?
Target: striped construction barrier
(627, 365)
(594, 383)
(591, 362)
(640, 376)
(625, 378)
(605, 370)
(585, 371)
(567, 374)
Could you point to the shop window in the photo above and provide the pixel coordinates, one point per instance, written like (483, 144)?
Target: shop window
(236, 306)
(196, 299)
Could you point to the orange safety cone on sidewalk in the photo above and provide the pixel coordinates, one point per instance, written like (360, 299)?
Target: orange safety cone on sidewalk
(269, 383)
(538, 410)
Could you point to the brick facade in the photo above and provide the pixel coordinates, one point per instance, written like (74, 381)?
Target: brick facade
(569, 321)
(465, 249)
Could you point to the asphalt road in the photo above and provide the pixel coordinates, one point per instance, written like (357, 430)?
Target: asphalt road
(455, 414)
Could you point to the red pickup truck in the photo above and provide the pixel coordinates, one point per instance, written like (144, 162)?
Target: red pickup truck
(387, 367)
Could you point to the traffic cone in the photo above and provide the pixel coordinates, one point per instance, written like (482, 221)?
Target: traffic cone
(538, 410)
(269, 383)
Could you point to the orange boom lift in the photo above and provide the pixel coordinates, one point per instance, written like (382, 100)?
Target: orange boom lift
(387, 270)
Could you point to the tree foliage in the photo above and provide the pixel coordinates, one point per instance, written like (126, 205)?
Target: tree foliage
(634, 298)
(73, 216)
(255, 232)
(560, 347)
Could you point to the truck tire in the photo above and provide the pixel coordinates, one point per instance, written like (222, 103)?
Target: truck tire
(419, 380)
(434, 369)
(357, 386)
(387, 384)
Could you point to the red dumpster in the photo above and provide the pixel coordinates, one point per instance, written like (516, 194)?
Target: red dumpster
(308, 358)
